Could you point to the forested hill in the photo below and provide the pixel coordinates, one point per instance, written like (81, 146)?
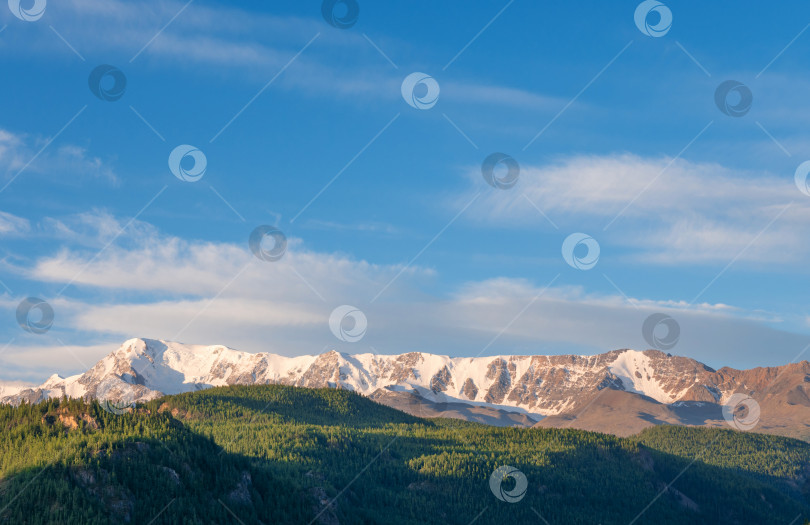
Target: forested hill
(276, 454)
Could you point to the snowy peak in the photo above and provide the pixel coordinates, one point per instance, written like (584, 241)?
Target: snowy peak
(143, 369)
(54, 380)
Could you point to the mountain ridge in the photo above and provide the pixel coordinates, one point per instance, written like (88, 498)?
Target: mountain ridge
(538, 386)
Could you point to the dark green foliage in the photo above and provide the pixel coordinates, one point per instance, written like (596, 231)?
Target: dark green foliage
(274, 454)
(773, 456)
(127, 470)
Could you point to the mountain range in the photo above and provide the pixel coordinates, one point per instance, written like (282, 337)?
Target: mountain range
(619, 392)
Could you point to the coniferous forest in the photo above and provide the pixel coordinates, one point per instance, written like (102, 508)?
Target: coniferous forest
(275, 454)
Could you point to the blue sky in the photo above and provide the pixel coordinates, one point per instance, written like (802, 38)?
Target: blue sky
(616, 133)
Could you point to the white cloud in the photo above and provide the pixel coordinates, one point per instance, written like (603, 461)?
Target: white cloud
(76, 160)
(11, 151)
(219, 293)
(11, 225)
(65, 163)
(94, 229)
(254, 45)
(667, 211)
(171, 265)
(501, 95)
(25, 362)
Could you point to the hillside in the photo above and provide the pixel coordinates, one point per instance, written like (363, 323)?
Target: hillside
(278, 454)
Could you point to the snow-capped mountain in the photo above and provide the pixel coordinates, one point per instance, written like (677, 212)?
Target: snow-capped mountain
(144, 369)
(620, 391)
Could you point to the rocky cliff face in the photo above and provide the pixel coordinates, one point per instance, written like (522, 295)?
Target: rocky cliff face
(143, 369)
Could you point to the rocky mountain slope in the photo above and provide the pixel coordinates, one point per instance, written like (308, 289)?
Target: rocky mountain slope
(621, 391)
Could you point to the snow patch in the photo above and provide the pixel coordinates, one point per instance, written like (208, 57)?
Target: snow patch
(637, 375)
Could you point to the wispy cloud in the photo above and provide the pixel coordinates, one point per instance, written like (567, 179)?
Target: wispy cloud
(68, 163)
(665, 211)
(216, 40)
(11, 225)
(365, 227)
(25, 362)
